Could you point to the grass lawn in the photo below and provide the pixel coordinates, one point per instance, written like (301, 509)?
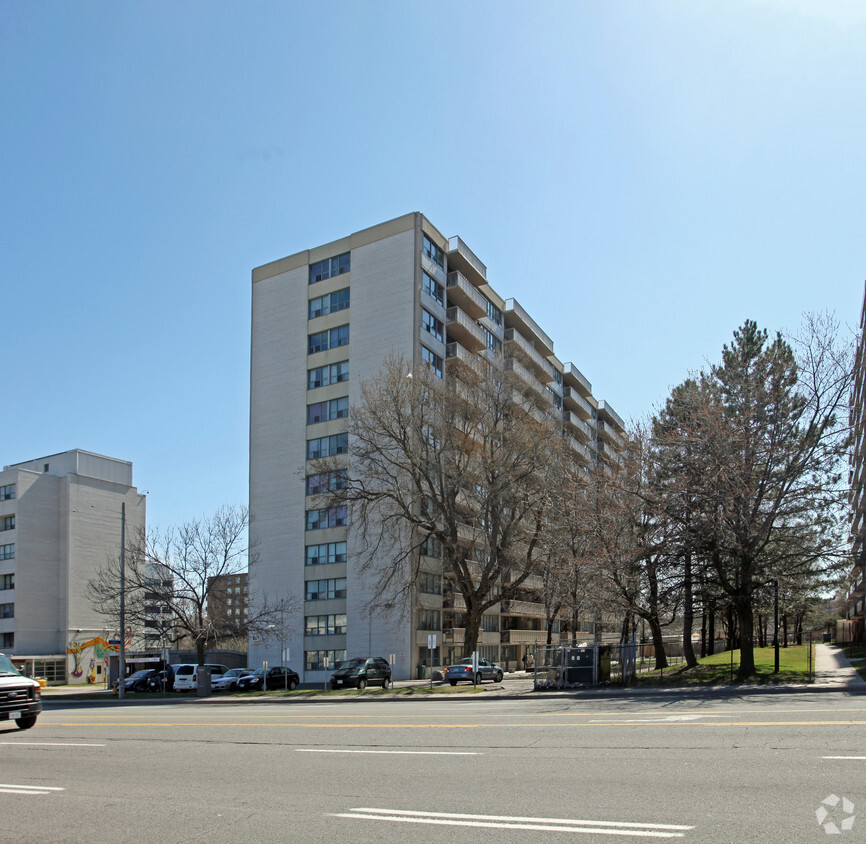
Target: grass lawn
(857, 655)
(715, 670)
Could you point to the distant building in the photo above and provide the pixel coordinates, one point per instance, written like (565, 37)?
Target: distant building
(228, 600)
(60, 521)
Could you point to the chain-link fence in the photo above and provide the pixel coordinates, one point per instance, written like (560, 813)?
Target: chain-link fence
(618, 663)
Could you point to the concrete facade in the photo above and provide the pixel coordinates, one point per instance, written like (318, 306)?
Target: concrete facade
(385, 274)
(62, 517)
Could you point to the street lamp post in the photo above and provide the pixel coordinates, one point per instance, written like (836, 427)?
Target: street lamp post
(120, 683)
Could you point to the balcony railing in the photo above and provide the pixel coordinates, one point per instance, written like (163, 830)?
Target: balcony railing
(461, 292)
(610, 433)
(605, 408)
(461, 257)
(539, 363)
(570, 371)
(580, 404)
(575, 421)
(515, 311)
(463, 329)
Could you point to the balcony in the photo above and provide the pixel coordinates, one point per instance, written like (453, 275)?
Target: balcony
(518, 368)
(610, 434)
(574, 377)
(464, 330)
(454, 351)
(541, 365)
(576, 402)
(516, 315)
(524, 637)
(523, 608)
(461, 292)
(576, 422)
(462, 258)
(581, 449)
(604, 409)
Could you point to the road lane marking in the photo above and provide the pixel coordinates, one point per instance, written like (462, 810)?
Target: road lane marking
(51, 744)
(661, 719)
(406, 752)
(5, 788)
(646, 830)
(861, 758)
(499, 725)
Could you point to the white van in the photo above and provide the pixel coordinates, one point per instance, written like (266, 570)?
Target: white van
(186, 676)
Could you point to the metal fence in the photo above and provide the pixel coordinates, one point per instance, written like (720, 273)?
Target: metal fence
(617, 663)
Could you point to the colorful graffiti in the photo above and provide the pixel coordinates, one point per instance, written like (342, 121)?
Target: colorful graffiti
(101, 650)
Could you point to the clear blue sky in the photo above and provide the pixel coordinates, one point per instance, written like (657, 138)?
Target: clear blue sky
(642, 176)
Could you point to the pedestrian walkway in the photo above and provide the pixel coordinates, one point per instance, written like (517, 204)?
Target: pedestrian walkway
(833, 668)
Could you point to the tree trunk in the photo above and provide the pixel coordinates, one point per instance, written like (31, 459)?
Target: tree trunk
(746, 621)
(784, 630)
(704, 633)
(658, 643)
(762, 641)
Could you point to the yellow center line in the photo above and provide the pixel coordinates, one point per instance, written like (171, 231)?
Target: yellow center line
(368, 725)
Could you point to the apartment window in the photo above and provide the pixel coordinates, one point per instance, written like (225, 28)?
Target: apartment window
(321, 341)
(7, 552)
(7, 522)
(326, 482)
(493, 342)
(431, 547)
(7, 581)
(432, 360)
(325, 625)
(325, 590)
(430, 584)
(432, 325)
(327, 552)
(429, 620)
(7, 641)
(7, 610)
(324, 376)
(557, 376)
(326, 411)
(327, 517)
(490, 623)
(327, 446)
(494, 313)
(433, 252)
(554, 397)
(321, 660)
(433, 288)
(329, 304)
(329, 268)
(7, 492)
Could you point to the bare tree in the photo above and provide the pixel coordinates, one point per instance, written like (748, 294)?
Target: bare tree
(466, 464)
(169, 579)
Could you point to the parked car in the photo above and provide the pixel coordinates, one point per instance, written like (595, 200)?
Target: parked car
(362, 672)
(228, 682)
(186, 676)
(146, 680)
(279, 677)
(20, 696)
(463, 671)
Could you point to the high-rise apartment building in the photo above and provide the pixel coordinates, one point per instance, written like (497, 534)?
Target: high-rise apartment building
(323, 320)
(855, 609)
(60, 520)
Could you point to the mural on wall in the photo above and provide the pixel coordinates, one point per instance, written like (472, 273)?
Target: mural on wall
(96, 650)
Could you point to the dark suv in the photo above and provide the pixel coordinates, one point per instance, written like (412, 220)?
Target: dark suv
(362, 672)
(20, 697)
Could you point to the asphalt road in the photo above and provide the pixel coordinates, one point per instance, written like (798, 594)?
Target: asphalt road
(736, 769)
